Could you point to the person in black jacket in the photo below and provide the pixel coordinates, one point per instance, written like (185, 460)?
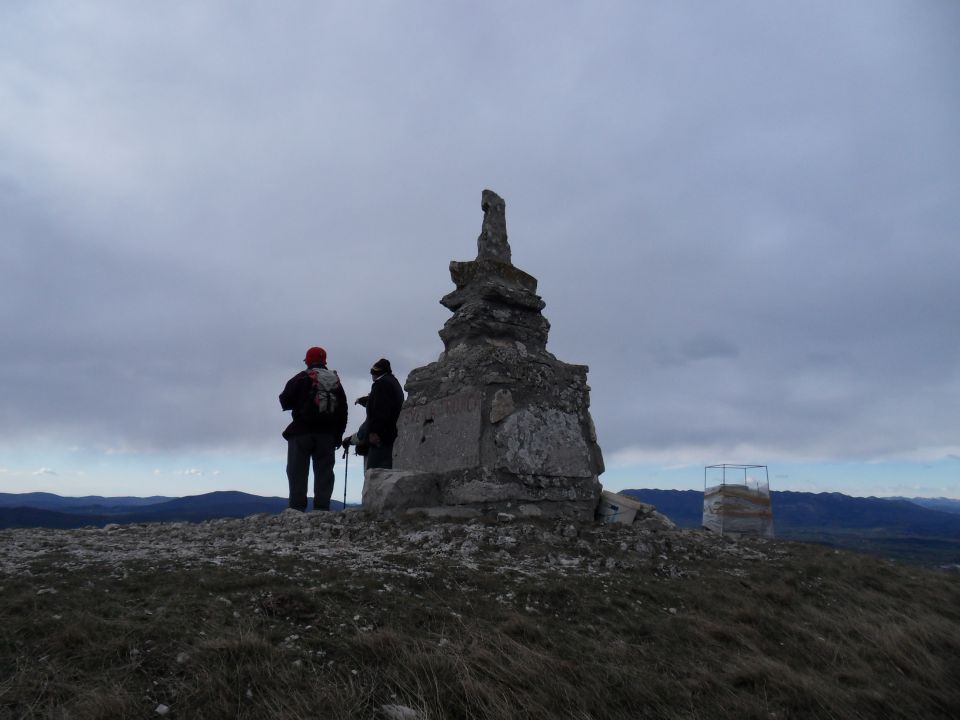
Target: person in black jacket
(319, 407)
(383, 405)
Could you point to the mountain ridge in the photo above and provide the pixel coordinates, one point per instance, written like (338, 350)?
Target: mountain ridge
(190, 508)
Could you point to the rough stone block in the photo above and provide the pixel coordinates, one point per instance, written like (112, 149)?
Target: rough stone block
(479, 491)
(445, 512)
(543, 441)
(501, 406)
(441, 435)
(393, 490)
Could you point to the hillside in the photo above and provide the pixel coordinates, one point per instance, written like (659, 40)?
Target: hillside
(339, 615)
(940, 503)
(894, 527)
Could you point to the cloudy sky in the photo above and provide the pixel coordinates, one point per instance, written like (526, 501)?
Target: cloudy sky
(743, 216)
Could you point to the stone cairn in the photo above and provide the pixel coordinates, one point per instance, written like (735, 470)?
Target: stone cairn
(497, 424)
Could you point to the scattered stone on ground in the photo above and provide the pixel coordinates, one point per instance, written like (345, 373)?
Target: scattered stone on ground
(357, 540)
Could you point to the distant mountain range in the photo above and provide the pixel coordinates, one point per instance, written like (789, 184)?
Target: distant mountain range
(823, 510)
(917, 529)
(941, 504)
(53, 511)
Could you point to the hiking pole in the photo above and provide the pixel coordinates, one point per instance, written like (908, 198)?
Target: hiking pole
(346, 467)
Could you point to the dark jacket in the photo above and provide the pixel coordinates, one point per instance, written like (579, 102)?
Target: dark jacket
(383, 407)
(297, 396)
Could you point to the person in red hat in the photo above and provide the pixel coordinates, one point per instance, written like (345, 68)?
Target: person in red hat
(319, 406)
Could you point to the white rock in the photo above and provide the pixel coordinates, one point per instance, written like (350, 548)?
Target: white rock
(501, 406)
(399, 712)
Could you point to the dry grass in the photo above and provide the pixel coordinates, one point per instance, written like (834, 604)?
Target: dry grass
(810, 634)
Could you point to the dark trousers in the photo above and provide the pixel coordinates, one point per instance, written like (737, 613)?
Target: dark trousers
(301, 449)
(379, 456)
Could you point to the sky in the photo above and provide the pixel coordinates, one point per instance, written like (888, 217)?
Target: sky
(743, 217)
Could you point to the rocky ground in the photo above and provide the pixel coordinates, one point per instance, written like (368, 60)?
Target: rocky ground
(353, 540)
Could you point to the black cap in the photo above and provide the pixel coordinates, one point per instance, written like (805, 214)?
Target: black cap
(380, 367)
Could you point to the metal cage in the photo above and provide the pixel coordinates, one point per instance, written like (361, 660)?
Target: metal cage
(736, 499)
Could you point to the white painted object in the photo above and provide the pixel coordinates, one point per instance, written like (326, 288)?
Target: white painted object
(617, 508)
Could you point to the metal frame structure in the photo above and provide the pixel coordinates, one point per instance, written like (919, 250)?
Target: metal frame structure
(723, 468)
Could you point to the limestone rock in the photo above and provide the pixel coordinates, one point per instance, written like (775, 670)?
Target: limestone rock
(543, 441)
(501, 406)
(392, 490)
(445, 512)
(493, 236)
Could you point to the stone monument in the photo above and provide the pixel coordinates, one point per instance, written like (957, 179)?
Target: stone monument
(497, 423)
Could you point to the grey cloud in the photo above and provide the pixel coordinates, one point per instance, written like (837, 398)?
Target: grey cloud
(741, 219)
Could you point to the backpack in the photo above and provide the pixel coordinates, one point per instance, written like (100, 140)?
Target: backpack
(322, 397)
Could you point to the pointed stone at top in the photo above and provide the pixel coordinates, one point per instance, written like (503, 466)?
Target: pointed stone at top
(492, 242)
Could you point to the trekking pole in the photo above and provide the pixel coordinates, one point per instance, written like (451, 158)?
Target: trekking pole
(346, 467)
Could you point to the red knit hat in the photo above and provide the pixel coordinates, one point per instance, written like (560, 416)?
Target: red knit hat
(316, 355)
